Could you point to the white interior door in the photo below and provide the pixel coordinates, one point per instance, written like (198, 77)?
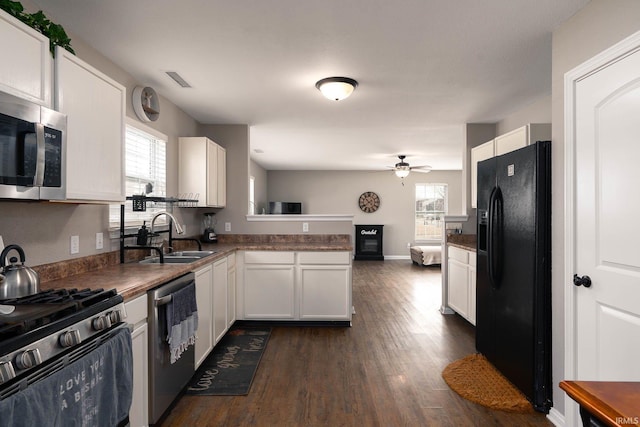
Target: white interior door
(607, 203)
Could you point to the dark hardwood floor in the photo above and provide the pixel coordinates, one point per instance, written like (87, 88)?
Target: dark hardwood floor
(383, 371)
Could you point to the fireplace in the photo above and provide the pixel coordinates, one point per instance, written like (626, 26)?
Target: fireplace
(369, 242)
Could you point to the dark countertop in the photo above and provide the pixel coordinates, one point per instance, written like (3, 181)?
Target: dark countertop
(133, 279)
(462, 241)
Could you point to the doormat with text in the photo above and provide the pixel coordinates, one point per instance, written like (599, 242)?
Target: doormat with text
(231, 366)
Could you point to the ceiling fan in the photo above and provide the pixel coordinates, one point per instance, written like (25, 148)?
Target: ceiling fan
(402, 168)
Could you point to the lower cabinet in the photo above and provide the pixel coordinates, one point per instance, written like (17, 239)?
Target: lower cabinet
(220, 302)
(204, 290)
(269, 292)
(295, 286)
(231, 289)
(461, 290)
(137, 317)
(215, 294)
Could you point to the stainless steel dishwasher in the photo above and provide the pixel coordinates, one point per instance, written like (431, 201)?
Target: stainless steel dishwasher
(166, 380)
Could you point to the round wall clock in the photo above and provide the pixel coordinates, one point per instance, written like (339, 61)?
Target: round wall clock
(146, 104)
(369, 202)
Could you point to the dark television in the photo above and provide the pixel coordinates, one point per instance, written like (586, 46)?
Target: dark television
(285, 208)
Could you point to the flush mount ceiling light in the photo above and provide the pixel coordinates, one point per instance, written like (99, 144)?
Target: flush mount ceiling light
(336, 88)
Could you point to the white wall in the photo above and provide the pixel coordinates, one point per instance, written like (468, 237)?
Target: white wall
(538, 111)
(337, 192)
(599, 25)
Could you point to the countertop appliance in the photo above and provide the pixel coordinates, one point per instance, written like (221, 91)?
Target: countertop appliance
(166, 379)
(209, 234)
(48, 332)
(32, 150)
(19, 280)
(285, 208)
(513, 278)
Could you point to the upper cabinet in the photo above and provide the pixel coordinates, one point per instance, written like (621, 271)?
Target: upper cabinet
(95, 108)
(518, 138)
(478, 154)
(26, 64)
(202, 171)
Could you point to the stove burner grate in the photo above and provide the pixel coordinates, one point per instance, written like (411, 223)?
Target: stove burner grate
(46, 311)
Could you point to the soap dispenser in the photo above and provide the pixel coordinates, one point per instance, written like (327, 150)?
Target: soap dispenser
(143, 235)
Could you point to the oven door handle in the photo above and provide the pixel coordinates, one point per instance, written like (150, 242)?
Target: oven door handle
(163, 300)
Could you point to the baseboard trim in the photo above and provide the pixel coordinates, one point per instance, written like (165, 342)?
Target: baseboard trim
(390, 257)
(556, 417)
(331, 323)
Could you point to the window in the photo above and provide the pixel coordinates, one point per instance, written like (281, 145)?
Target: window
(145, 173)
(431, 207)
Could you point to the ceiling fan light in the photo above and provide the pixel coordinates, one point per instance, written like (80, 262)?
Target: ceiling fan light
(402, 171)
(336, 88)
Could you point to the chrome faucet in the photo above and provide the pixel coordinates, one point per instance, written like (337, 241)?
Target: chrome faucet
(179, 228)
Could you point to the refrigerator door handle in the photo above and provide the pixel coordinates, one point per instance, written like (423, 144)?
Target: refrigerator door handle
(494, 249)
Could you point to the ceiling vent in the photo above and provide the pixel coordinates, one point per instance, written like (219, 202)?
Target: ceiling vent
(178, 79)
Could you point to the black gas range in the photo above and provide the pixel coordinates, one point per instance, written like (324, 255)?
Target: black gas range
(51, 327)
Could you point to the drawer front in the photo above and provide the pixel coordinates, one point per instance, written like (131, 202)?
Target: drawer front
(136, 310)
(325, 257)
(459, 254)
(269, 257)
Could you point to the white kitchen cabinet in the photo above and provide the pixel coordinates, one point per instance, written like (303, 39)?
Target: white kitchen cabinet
(220, 301)
(231, 289)
(510, 141)
(202, 171)
(268, 285)
(461, 276)
(95, 107)
(324, 285)
(478, 154)
(204, 295)
(137, 316)
(26, 64)
(304, 285)
(471, 317)
(521, 137)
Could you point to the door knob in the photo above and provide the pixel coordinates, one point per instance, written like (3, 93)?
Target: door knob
(582, 281)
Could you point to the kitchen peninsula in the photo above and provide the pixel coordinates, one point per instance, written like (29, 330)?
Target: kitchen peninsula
(133, 279)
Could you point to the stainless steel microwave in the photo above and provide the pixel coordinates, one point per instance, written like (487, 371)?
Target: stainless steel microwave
(32, 150)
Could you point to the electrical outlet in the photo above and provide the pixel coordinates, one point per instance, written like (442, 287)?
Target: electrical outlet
(75, 245)
(227, 226)
(184, 228)
(408, 244)
(305, 227)
(1, 243)
(99, 241)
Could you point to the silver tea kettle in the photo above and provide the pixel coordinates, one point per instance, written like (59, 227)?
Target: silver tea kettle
(19, 280)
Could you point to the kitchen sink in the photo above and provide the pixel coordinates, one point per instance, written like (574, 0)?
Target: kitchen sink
(171, 259)
(195, 254)
(180, 257)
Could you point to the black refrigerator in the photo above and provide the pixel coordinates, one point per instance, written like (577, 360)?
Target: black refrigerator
(513, 295)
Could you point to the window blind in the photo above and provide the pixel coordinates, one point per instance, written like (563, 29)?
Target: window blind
(145, 173)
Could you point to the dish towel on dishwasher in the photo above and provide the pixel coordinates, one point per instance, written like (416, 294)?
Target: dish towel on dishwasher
(95, 390)
(182, 320)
